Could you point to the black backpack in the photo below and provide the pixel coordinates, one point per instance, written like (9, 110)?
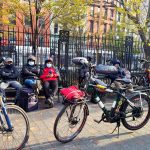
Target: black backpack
(28, 100)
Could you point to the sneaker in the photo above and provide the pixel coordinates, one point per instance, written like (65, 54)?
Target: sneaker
(51, 105)
(49, 102)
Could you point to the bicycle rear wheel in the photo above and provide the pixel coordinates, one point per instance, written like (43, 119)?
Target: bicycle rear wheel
(69, 122)
(17, 138)
(136, 118)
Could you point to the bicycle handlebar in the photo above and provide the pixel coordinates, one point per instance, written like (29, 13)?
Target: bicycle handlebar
(143, 61)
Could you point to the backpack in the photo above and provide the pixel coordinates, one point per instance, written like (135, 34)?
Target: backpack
(28, 100)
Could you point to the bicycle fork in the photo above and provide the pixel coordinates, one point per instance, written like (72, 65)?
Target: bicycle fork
(9, 124)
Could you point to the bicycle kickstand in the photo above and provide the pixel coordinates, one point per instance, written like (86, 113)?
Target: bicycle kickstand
(98, 121)
(117, 126)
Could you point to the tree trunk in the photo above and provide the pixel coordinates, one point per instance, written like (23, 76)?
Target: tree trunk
(147, 51)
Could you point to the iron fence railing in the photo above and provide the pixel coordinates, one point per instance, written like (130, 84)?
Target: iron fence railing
(18, 45)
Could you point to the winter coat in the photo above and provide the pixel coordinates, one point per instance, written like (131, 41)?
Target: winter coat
(30, 71)
(48, 71)
(9, 72)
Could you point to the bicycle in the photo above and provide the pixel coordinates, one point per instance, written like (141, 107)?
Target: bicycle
(124, 107)
(144, 80)
(14, 124)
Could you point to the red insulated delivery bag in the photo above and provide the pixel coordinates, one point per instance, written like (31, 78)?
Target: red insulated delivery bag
(72, 93)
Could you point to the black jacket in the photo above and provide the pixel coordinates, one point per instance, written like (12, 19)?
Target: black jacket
(30, 71)
(9, 73)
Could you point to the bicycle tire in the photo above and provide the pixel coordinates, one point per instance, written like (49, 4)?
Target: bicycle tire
(146, 119)
(68, 139)
(20, 111)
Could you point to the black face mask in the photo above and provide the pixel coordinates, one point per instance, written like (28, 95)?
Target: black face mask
(9, 65)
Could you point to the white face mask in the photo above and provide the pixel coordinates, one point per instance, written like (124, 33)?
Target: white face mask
(31, 63)
(49, 65)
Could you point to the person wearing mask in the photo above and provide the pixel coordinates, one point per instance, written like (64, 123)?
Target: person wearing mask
(117, 64)
(50, 77)
(9, 74)
(30, 73)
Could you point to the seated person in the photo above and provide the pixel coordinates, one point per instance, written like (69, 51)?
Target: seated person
(120, 73)
(30, 73)
(9, 74)
(49, 77)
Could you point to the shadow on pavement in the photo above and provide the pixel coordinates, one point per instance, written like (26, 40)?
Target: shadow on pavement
(104, 142)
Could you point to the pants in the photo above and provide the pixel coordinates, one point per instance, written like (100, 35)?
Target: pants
(50, 88)
(30, 82)
(16, 85)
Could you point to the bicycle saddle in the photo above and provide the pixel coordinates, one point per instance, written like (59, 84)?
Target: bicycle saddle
(124, 80)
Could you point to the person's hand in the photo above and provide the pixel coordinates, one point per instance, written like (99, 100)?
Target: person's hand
(50, 75)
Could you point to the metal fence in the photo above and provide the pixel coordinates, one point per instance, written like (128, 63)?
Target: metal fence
(18, 45)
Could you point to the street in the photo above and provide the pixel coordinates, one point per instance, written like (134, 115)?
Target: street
(93, 136)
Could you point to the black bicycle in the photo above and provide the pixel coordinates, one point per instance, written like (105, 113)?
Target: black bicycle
(132, 110)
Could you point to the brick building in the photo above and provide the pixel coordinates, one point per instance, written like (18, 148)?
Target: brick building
(100, 18)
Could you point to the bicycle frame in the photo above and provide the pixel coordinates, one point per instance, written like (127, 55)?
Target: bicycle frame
(120, 95)
(3, 109)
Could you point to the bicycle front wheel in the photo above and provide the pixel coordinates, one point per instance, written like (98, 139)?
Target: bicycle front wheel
(18, 136)
(137, 117)
(70, 121)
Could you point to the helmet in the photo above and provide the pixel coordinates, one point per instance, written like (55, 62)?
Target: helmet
(8, 59)
(89, 58)
(49, 60)
(114, 62)
(31, 57)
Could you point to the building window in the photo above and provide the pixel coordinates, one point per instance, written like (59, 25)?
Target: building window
(12, 37)
(27, 21)
(27, 37)
(111, 27)
(41, 41)
(91, 26)
(55, 28)
(112, 1)
(112, 13)
(105, 15)
(105, 27)
(97, 24)
(98, 11)
(41, 23)
(92, 11)
(119, 17)
(12, 19)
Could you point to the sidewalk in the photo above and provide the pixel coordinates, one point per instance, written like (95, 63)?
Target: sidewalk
(93, 136)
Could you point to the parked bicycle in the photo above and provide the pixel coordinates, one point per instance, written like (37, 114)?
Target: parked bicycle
(144, 80)
(14, 124)
(133, 109)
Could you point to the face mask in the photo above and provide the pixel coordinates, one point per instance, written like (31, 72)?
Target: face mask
(31, 63)
(9, 65)
(49, 65)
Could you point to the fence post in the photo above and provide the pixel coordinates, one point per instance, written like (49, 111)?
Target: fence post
(128, 51)
(64, 38)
